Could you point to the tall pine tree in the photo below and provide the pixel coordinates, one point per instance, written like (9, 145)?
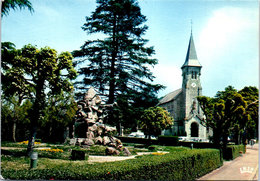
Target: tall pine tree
(118, 64)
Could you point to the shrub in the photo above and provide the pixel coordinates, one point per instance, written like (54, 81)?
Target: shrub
(77, 155)
(53, 153)
(168, 140)
(183, 165)
(232, 151)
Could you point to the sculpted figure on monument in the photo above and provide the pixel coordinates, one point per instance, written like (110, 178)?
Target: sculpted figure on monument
(89, 128)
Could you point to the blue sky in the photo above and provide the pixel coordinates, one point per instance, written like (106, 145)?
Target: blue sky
(225, 35)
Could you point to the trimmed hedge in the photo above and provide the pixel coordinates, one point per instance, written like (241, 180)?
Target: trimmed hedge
(197, 144)
(232, 151)
(168, 140)
(184, 165)
(125, 139)
(77, 155)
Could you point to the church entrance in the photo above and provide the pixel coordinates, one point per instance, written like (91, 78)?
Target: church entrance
(194, 129)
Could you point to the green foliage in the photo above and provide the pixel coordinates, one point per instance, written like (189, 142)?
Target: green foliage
(197, 144)
(250, 95)
(154, 120)
(233, 151)
(125, 139)
(117, 65)
(58, 114)
(183, 165)
(95, 150)
(34, 73)
(171, 149)
(7, 5)
(14, 117)
(226, 114)
(77, 155)
(168, 140)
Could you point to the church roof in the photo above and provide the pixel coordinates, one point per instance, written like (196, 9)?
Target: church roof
(170, 96)
(191, 57)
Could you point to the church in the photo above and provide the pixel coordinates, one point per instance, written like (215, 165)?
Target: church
(182, 103)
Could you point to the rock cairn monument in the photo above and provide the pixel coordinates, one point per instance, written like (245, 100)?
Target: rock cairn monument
(89, 128)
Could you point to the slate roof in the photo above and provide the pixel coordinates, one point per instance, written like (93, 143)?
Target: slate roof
(191, 57)
(170, 96)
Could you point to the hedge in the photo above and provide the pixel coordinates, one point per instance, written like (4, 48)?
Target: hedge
(168, 140)
(184, 165)
(125, 139)
(232, 151)
(197, 144)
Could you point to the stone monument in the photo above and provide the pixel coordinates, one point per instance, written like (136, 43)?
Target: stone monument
(89, 128)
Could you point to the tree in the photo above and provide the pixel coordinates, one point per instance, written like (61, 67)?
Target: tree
(35, 72)
(118, 63)
(14, 116)
(13, 88)
(154, 120)
(225, 114)
(250, 95)
(59, 113)
(7, 5)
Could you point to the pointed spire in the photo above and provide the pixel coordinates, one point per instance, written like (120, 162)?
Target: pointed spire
(191, 57)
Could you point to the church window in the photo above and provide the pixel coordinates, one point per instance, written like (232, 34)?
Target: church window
(192, 75)
(195, 75)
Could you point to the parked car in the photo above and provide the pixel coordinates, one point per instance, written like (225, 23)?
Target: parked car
(137, 134)
(182, 138)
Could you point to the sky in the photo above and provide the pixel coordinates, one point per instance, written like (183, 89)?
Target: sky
(225, 34)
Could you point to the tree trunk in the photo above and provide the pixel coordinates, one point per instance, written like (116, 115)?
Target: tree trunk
(236, 137)
(37, 112)
(13, 131)
(111, 97)
(216, 137)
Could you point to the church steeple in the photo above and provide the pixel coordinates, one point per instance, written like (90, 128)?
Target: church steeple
(191, 86)
(191, 57)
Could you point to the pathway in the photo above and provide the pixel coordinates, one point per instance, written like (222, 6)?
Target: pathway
(242, 168)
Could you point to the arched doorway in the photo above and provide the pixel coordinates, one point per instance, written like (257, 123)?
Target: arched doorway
(194, 129)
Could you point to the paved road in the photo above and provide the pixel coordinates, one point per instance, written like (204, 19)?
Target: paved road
(242, 168)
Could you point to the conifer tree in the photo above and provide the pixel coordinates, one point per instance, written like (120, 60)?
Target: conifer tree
(118, 64)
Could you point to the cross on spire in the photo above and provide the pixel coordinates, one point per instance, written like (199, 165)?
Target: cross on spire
(191, 26)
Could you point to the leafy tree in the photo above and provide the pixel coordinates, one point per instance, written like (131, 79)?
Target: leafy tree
(250, 95)
(225, 114)
(35, 72)
(14, 90)
(118, 63)
(59, 112)
(154, 120)
(14, 116)
(7, 5)
(127, 113)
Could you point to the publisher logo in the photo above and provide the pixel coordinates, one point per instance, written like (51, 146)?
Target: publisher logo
(246, 170)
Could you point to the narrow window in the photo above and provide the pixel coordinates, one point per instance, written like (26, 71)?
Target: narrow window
(195, 75)
(192, 76)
